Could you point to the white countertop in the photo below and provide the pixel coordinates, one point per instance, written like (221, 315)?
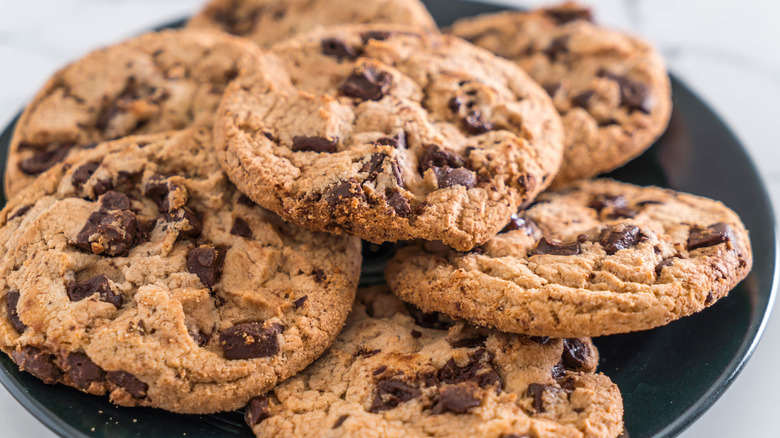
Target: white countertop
(725, 50)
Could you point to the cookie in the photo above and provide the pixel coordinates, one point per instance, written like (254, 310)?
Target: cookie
(149, 84)
(599, 258)
(395, 371)
(388, 134)
(611, 88)
(269, 21)
(138, 270)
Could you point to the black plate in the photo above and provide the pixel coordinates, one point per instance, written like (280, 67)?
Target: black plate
(668, 376)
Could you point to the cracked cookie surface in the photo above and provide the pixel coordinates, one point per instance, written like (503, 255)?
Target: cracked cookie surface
(611, 88)
(138, 270)
(388, 134)
(598, 258)
(269, 21)
(396, 372)
(148, 84)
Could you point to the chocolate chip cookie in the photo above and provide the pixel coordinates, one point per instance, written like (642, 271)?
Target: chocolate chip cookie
(149, 84)
(136, 269)
(269, 21)
(611, 88)
(395, 371)
(388, 133)
(599, 258)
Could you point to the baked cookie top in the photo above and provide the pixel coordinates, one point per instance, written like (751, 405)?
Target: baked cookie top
(269, 21)
(599, 258)
(138, 270)
(388, 134)
(395, 371)
(611, 88)
(152, 83)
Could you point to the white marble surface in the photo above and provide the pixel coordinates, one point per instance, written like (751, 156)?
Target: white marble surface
(725, 50)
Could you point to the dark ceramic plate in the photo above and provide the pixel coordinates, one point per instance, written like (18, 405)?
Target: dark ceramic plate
(668, 376)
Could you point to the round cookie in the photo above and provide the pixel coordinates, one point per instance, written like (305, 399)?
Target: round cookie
(388, 134)
(599, 258)
(149, 84)
(138, 270)
(611, 89)
(395, 371)
(269, 21)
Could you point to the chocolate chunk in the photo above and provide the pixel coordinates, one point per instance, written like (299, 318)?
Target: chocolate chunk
(475, 124)
(380, 370)
(256, 410)
(198, 336)
(11, 303)
(554, 247)
(37, 363)
(82, 371)
(620, 236)
(427, 379)
(399, 204)
(478, 370)
(344, 192)
(448, 177)
(241, 228)
(102, 186)
(455, 103)
(206, 262)
(315, 144)
(567, 13)
(416, 334)
(433, 320)
(366, 84)
(517, 222)
(250, 340)
(669, 261)
(21, 211)
(83, 173)
(107, 233)
(557, 48)
(435, 156)
(338, 49)
(112, 200)
(536, 390)
(612, 207)
(44, 156)
(582, 100)
(162, 191)
(96, 285)
(300, 301)
(713, 235)
(193, 226)
(379, 35)
(575, 354)
(633, 94)
(340, 421)
(373, 166)
(390, 393)
(129, 383)
(456, 399)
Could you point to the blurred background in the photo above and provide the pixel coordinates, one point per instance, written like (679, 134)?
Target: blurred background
(726, 51)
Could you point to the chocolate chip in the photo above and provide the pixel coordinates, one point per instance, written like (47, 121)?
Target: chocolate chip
(82, 371)
(250, 340)
(669, 261)
(435, 156)
(478, 370)
(338, 49)
(582, 100)
(133, 91)
(448, 177)
(536, 390)
(373, 166)
(162, 190)
(198, 336)
(552, 88)
(379, 35)
(37, 363)
(390, 393)
(206, 262)
(567, 13)
(541, 340)
(319, 275)
(613, 207)
(633, 94)
(366, 84)
(300, 301)
(557, 48)
(399, 204)
(114, 201)
(432, 320)
(456, 399)
(620, 236)
(241, 228)
(399, 142)
(455, 103)
(245, 200)
(380, 370)
(193, 226)
(315, 144)
(712, 235)
(21, 211)
(107, 233)
(479, 341)
(234, 21)
(427, 379)
(475, 124)
(129, 383)
(416, 334)
(256, 410)
(517, 222)
(554, 247)
(558, 371)
(83, 173)
(575, 354)
(344, 191)
(340, 421)
(44, 156)
(95, 285)
(11, 303)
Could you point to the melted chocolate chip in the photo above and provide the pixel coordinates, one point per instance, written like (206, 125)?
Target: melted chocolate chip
(250, 340)
(475, 124)
(390, 393)
(129, 383)
(21, 211)
(82, 371)
(189, 223)
(519, 223)
(434, 156)
(37, 363)
(256, 410)
(206, 262)
(338, 49)
(449, 177)
(96, 285)
(300, 301)
(241, 228)
(107, 233)
(114, 201)
(366, 84)
(340, 421)
(83, 173)
(633, 94)
(567, 13)
(582, 100)
(713, 235)
(314, 144)
(44, 156)
(344, 192)
(456, 399)
(399, 204)
(554, 247)
(575, 354)
(11, 303)
(620, 236)
(536, 390)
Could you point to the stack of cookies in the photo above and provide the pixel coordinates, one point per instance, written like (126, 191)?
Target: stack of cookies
(186, 211)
